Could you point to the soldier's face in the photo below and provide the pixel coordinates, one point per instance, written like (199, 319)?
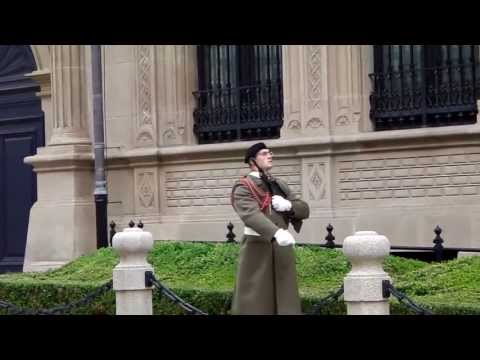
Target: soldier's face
(264, 159)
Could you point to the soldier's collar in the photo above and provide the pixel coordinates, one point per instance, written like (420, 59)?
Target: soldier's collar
(257, 175)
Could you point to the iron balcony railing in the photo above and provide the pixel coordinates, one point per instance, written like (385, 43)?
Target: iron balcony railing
(226, 113)
(421, 97)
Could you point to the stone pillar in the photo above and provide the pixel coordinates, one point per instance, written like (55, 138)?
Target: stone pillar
(305, 89)
(62, 221)
(43, 78)
(347, 78)
(175, 81)
(326, 90)
(363, 293)
(132, 296)
(69, 91)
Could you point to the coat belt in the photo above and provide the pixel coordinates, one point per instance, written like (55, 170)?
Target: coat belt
(250, 231)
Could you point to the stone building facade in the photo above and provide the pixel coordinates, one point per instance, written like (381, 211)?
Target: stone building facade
(400, 183)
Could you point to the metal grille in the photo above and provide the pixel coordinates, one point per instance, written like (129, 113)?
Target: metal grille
(423, 85)
(240, 93)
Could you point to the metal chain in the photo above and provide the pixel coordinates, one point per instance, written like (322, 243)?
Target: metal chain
(330, 298)
(13, 309)
(190, 309)
(404, 299)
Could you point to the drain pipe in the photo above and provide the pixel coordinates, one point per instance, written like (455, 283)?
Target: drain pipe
(100, 192)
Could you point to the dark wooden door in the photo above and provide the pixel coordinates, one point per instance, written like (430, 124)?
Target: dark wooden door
(21, 132)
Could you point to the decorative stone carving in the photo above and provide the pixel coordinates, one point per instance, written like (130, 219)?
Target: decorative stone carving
(144, 138)
(316, 181)
(146, 186)
(314, 78)
(294, 125)
(146, 189)
(145, 98)
(145, 124)
(315, 123)
(342, 120)
(169, 135)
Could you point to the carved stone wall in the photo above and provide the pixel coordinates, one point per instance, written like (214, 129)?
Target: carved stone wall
(120, 97)
(210, 187)
(316, 174)
(315, 120)
(326, 89)
(145, 129)
(175, 81)
(146, 190)
(412, 177)
(345, 87)
(70, 94)
(305, 91)
(352, 177)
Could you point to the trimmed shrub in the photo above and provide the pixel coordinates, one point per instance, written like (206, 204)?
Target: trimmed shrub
(204, 274)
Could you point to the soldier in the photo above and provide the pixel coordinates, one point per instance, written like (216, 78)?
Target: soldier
(266, 281)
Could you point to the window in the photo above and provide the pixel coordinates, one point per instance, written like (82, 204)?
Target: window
(240, 93)
(424, 85)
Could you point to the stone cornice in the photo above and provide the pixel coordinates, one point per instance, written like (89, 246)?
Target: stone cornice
(44, 79)
(81, 154)
(60, 158)
(451, 136)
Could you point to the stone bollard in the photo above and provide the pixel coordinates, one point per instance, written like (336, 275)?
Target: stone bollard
(132, 296)
(363, 291)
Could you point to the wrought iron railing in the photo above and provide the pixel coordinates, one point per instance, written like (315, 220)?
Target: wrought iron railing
(422, 97)
(241, 113)
(239, 93)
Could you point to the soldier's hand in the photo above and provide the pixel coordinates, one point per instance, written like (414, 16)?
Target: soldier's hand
(281, 204)
(284, 238)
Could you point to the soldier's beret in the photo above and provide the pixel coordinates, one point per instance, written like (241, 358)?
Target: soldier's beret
(253, 150)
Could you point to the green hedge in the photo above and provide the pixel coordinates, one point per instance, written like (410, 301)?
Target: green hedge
(203, 274)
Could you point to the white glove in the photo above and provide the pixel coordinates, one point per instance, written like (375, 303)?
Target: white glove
(281, 204)
(284, 238)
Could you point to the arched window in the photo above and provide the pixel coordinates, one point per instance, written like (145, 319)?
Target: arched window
(424, 85)
(240, 93)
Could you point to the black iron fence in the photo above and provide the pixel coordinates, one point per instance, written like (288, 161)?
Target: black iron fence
(424, 85)
(421, 97)
(240, 95)
(437, 252)
(242, 113)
